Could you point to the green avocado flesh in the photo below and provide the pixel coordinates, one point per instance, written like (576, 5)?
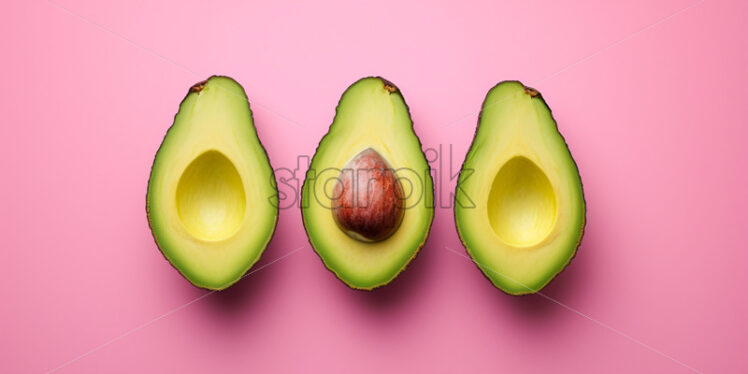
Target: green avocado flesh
(519, 205)
(212, 199)
(371, 115)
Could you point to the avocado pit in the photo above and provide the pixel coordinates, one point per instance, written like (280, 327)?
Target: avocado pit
(368, 198)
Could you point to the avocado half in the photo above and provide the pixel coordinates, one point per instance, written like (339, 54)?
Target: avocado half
(519, 203)
(212, 199)
(367, 246)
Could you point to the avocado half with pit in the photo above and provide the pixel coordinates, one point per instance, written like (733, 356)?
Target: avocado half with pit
(212, 199)
(368, 198)
(519, 204)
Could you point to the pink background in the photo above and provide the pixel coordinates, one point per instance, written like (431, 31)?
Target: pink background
(654, 112)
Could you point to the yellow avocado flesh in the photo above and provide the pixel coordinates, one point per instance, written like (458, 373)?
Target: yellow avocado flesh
(371, 114)
(520, 208)
(211, 195)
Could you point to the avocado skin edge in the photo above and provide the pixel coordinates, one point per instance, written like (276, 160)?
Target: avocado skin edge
(196, 88)
(535, 94)
(391, 88)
